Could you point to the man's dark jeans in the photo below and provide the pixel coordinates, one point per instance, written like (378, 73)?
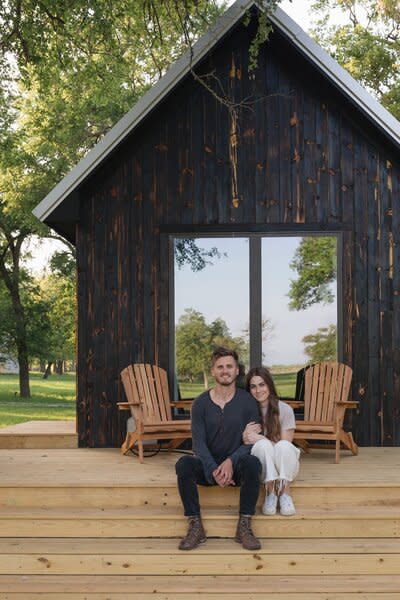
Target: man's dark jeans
(190, 472)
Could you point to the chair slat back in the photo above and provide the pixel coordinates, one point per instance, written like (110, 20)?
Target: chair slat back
(146, 388)
(325, 384)
(132, 392)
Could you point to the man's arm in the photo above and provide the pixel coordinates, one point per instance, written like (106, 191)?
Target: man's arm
(200, 447)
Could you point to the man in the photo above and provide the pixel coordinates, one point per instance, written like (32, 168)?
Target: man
(219, 417)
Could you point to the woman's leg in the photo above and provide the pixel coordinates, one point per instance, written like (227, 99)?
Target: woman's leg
(286, 461)
(287, 464)
(265, 452)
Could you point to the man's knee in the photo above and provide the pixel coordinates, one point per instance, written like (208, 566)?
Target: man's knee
(250, 465)
(185, 467)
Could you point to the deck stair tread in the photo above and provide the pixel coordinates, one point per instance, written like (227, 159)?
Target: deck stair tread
(39, 434)
(162, 546)
(171, 512)
(260, 595)
(203, 585)
(139, 522)
(162, 557)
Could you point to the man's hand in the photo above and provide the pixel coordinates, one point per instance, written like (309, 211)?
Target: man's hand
(252, 433)
(223, 473)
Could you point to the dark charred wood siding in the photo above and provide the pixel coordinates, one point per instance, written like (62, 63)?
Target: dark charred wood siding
(306, 158)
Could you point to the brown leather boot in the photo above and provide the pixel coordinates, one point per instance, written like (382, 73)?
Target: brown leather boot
(195, 534)
(244, 534)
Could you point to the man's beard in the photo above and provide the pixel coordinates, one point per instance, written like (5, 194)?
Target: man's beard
(227, 383)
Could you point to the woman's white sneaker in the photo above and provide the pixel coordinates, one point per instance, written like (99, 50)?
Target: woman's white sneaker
(286, 505)
(270, 504)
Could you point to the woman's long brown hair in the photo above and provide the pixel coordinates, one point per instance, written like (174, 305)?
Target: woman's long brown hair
(272, 426)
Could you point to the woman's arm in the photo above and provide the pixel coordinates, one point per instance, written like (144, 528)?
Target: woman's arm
(288, 435)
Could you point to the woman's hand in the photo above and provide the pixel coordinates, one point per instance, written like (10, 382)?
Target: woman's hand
(252, 433)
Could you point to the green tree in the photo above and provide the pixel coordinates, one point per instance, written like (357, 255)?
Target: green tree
(195, 341)
(69, 71)
(315, 263)
(367, 44)
(321, 346)
(58, 292)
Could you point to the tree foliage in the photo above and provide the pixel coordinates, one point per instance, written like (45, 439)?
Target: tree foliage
(196, 339)
(322, 345)
(187, 252)
(315, 264)
(367, 44)
(69, 71)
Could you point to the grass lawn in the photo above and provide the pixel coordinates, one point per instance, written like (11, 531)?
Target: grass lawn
(52, 399)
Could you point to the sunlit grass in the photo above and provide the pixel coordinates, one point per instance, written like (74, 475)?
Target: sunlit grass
(51, 399)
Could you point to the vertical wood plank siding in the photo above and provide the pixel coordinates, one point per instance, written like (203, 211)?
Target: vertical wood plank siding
(305, 157)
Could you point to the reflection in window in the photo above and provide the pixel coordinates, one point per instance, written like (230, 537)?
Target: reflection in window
(299, 297)
(211, 306)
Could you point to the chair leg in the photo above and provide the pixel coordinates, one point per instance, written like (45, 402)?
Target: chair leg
(337, 451)
(175, 443)
(303, 444)
(140, 448)
(347, 439)
(128, 443)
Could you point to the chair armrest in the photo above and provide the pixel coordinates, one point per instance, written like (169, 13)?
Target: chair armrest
(181, 404)
(126, 405)
(348, 403)
(293, 403)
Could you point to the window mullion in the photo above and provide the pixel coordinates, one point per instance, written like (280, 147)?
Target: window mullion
(255, 292)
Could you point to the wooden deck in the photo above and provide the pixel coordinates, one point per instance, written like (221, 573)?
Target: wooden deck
(93, 524)
(39, 434)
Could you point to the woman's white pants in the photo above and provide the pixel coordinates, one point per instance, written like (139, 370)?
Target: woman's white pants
(279, 461)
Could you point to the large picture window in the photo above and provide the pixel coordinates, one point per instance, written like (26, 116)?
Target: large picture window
(273, 298)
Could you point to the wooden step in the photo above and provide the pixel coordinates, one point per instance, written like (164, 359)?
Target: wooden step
(366, 587)
(105, 478)
(157, 496)
(161, 557)
(201, 596)
(345, 522)
(39, 435)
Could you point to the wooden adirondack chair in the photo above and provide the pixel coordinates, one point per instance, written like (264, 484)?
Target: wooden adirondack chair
(326, 392)
(147, 392)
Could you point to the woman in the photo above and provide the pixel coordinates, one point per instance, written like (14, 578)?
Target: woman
(278, 456)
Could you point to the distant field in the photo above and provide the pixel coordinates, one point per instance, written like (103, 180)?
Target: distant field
(285, 384)
(52, 399)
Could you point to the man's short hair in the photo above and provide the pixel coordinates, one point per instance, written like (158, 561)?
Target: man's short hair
(221, 351)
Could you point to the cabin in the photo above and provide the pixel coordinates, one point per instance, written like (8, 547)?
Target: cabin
(296, 148)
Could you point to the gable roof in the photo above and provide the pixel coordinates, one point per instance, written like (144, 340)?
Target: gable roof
(376, 113)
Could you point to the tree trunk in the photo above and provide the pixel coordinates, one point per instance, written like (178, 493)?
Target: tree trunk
(42, 366)
(59, 367)
(24, 388)
(48, 370)
(11, 278)
(205, 376)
